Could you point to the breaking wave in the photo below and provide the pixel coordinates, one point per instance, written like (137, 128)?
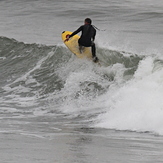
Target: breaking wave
(123, 93)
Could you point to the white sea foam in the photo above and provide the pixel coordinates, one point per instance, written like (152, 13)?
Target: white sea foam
(137, 105)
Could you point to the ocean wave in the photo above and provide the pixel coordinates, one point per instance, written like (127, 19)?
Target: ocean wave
(115, 95)
(34, 64)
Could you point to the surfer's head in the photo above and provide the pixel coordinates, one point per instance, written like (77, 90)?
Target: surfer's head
(88, 21)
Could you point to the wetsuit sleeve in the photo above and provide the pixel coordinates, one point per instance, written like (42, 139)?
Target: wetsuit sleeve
(77, 31)
(93, 37)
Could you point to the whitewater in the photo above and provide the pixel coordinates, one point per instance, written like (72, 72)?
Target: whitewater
(55, 107)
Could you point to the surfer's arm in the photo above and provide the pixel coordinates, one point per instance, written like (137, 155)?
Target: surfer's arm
(77, 31)
(74, 33)
(93, 37)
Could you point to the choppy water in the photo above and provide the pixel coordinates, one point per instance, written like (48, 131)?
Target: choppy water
(45, 91)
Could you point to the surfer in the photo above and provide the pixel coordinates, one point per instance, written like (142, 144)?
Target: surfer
(87, 37)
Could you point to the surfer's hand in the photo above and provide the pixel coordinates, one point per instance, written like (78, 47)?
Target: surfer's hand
(67, 38)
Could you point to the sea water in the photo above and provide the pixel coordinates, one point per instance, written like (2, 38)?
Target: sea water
(55, 107)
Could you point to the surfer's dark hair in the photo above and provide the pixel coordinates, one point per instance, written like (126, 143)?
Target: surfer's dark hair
(88, 20)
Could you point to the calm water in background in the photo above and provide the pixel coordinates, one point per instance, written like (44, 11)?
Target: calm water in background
(57, 108)
(126, 22)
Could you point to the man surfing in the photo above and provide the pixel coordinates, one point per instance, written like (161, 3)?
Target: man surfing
(87, 37)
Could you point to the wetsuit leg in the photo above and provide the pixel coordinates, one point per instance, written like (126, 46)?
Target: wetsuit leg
(95, 59)
(93, 50)
(80, 48)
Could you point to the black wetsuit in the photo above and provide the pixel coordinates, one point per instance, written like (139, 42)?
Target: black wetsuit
(87, 37)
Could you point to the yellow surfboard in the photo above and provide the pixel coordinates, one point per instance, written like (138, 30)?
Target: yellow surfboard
(73, 46)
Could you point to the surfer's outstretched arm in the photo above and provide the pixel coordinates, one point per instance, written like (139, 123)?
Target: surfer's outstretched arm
(74, 33)
(77, 31)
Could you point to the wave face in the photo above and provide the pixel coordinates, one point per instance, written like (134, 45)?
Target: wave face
(124, 93)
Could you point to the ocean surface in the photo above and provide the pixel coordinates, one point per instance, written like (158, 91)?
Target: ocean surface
(56, 108)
